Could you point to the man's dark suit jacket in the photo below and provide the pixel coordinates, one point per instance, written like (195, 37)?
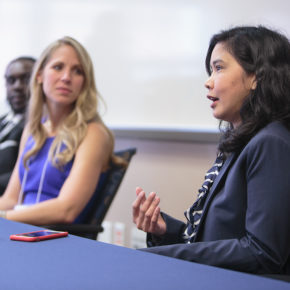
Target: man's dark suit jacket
(9, 147)
(246, 223)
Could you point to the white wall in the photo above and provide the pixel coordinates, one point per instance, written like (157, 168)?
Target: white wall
(148, 54)
(149, 63)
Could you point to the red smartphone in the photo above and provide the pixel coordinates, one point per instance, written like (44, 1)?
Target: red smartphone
(38, 236)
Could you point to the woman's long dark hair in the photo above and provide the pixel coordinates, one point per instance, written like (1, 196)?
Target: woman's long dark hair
(266, 54)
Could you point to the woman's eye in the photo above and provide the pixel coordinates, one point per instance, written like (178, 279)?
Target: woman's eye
(78, 71)
(57, 67)
(218, 67)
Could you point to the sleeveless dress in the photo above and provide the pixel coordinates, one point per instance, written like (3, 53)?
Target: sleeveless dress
(42, 181)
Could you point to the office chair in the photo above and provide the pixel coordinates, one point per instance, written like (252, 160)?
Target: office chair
(101, 201)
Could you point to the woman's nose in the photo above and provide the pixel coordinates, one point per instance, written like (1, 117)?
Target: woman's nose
(209, 83)
(66, 76)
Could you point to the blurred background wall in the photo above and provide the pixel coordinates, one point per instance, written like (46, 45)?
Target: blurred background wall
(149, 66)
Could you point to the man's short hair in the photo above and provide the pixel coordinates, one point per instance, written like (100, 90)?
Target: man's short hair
(22, 58)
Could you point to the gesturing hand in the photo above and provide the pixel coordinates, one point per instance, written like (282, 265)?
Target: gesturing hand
(146, 213)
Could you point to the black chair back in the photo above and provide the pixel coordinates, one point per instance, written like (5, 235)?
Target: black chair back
(99, 204)
(106, 194)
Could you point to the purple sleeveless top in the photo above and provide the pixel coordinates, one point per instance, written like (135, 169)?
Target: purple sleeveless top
(53, 178)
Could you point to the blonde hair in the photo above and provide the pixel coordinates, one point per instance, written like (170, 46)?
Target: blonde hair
(73, 129)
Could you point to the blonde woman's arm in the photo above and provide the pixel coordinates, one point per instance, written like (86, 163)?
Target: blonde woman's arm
(90, 160)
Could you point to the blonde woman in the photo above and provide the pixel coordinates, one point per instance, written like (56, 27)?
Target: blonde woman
(65, 144)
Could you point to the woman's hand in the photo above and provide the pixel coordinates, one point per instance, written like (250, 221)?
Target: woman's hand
(146, 213)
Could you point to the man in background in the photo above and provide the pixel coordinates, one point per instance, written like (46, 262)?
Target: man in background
(17, 77)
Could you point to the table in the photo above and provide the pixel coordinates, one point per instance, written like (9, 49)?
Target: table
(77, 263)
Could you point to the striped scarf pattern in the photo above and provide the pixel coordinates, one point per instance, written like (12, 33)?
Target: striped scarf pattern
(194, 213)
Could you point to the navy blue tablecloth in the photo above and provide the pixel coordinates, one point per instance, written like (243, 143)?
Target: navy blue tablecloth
(77, 263)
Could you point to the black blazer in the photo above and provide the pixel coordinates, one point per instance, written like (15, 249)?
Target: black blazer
(9, 147)
(246, 224)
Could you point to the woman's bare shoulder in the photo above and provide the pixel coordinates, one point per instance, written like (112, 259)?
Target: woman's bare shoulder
(98, 129)
(98, 135)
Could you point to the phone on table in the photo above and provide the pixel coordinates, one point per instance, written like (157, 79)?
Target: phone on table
(38, 236)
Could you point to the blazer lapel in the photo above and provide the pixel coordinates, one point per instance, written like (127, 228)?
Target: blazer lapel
(9, 126)
(6, 130)
(219, 179)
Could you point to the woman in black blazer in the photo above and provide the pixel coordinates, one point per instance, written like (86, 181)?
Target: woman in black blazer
(241, 219)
